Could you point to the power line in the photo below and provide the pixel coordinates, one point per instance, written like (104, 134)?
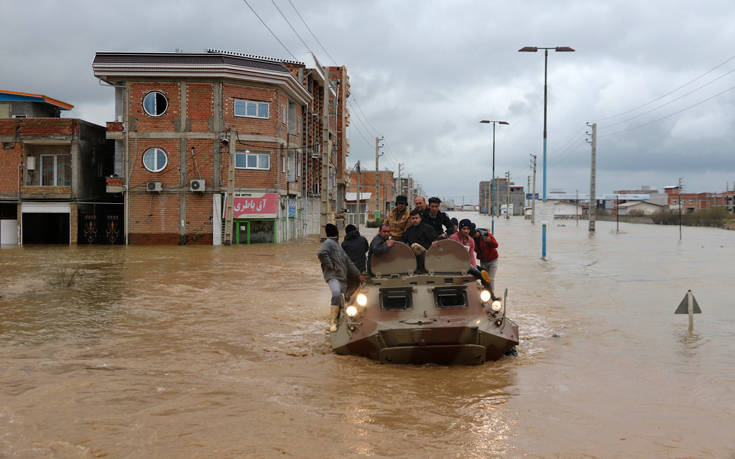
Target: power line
(290, 25)
(670, 92)
(269, 30)
(312, 33)
(669, 115)
(359, 107)
(361, 117)
(671, 101)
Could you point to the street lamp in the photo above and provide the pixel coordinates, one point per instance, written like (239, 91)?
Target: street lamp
(533, 49)
(492, 206)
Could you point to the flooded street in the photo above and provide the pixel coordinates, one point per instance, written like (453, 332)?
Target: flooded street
(223, 352)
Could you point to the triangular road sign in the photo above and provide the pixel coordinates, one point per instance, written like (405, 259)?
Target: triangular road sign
(684, 305)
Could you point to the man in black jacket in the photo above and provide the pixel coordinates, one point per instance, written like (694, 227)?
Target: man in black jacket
(356, 247)
(419, 237)
(438, 219)
(380, 244)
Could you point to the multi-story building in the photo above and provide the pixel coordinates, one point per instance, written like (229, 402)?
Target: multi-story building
(691, 202)
(52, 175)
(386, 195)
(517, 197)
(200, 135)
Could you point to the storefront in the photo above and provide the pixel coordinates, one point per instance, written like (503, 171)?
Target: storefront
(48, 223)
(255, 218)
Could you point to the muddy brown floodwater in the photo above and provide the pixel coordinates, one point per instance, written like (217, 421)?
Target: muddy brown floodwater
(222, 352)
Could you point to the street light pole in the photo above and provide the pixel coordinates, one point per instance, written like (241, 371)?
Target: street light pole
(492, 206)
(533, 49)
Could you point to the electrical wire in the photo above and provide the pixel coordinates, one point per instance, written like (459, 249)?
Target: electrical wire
(334, 61)
(292, 27)
(669, 115)
(670, 92)
(669, 102)
(269, 30)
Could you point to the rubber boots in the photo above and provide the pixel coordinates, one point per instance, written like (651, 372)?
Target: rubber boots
(333, 315)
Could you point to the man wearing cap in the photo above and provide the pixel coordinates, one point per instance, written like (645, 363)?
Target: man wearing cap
(398, 218)
(338, 270)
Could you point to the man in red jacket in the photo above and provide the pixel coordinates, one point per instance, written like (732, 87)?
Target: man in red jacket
(487, 252)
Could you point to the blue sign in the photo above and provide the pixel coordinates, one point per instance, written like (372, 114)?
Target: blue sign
(291, 208)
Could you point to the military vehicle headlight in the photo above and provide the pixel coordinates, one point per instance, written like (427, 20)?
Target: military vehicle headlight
(496, 306)
(361, 299)
(485, 296)
(351, 311)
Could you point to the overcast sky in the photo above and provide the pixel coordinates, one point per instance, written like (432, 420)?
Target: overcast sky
(423, 73)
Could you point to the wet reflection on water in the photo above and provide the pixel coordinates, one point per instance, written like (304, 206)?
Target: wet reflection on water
(222, 351)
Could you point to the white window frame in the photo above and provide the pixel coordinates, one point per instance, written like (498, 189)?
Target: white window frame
(153, 114)
(284, 114)
(155, 159)
(283, 163)
(246, 103)
(258, 154)
(56, 170)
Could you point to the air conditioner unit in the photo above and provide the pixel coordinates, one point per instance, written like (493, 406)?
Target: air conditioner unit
(31, 163)
(153, 186)
(196, 185)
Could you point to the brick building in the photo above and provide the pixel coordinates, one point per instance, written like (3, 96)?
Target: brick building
(691, 202)
(52, 175)
(325, 142)
(386, 190)
(186, 122)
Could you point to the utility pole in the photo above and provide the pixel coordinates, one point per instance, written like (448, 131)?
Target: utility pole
(359, 196)
(576, 206)
(230, 204)
(507, 195)
(679, 191)
(593, 200)
(378, 207)
(533, 193)
(400, 183)
(617, 213)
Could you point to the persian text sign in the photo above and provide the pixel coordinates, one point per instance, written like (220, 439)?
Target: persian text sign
(256, 205)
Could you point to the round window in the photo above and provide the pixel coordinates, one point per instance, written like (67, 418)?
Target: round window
(155, 103)
(155, 159)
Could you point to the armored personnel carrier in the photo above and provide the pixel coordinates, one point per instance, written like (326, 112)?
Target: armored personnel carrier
(443, 314)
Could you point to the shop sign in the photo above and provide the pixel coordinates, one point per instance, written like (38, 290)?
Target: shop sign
(255, 205)
(291, 208)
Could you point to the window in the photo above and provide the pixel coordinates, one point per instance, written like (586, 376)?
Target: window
(395, 298)
(283, 163)
(691, 201)
(252, 160)
(155, 159)
(55, 170)
(252, 109)
(291, 118)
(450, 297)
(673, 201)
(155, 103)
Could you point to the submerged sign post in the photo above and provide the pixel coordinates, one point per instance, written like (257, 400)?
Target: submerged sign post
(689, 306)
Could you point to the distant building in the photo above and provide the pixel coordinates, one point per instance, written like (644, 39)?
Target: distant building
(386, 196)
(52, 175)
(691, 202)
(644, 207)
(517, 197)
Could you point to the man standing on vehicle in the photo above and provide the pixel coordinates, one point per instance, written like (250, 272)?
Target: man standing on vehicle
(438, 219)
(338, 270)
(356, 246)
(398, 218)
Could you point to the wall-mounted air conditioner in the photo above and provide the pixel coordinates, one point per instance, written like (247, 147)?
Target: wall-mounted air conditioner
(153, 186)
(31, 163)
(196, 185)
